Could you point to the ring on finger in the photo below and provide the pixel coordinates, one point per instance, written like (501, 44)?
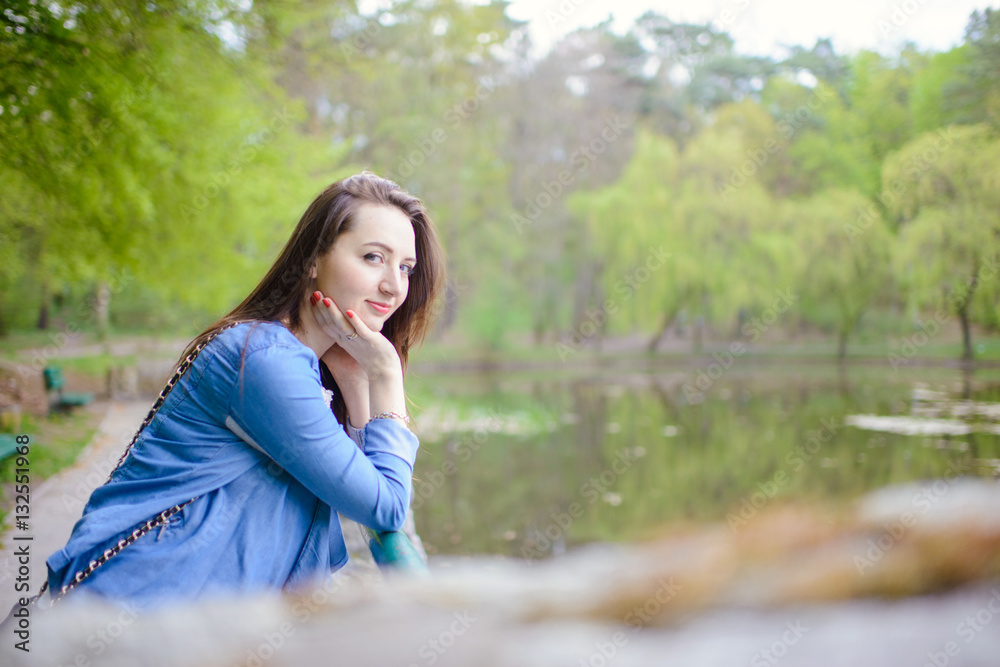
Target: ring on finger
(353, 336)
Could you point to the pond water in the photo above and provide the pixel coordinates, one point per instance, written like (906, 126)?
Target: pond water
(528, 465)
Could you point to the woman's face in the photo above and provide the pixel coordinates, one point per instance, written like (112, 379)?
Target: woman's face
(368, 267)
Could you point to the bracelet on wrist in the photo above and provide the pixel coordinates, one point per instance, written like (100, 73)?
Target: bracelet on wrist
(392, 415)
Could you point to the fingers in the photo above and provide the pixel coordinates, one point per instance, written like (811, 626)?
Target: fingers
(358, 324)
(328, 316)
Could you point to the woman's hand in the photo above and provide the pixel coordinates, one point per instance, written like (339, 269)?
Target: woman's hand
(373, 356)
(372, 353)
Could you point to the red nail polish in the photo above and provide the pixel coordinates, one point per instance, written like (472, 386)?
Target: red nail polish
(316, 296)
(312, 299)
(327, 302)
(350, 313)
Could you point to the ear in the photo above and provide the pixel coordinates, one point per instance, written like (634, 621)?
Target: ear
(312, 271)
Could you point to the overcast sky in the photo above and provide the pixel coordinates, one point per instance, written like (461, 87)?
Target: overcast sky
(763, 26)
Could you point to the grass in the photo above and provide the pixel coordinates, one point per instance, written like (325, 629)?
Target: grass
(96, 366)
(56, 442)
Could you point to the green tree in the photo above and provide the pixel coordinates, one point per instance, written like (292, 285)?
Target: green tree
(845, 259)
(974, 95)
(114, 170)
(947, 206)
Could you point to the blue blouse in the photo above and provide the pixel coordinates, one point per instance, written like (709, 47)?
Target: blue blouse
(248, 432)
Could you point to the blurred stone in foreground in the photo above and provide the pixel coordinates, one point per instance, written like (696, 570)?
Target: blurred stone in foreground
(910, 577)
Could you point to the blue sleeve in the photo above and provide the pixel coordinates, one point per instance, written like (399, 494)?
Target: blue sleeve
(278, 403)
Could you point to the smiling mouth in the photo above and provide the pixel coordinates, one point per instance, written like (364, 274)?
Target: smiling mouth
(381, 308)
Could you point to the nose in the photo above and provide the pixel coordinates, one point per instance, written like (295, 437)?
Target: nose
(393, 283)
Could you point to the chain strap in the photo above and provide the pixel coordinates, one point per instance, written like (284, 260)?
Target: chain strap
(160, 518)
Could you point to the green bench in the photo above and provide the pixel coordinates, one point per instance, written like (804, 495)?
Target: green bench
(8, 445)
(59, 399)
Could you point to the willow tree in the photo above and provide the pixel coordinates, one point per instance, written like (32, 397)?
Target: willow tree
(945, 188)
(701, 210)
(634, 226)
(845, 253)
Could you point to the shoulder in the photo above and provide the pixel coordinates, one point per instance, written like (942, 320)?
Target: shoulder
(248, 338)
(266, 347)
(269, 348)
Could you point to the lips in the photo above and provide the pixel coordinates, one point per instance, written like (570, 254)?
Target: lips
(380, 308)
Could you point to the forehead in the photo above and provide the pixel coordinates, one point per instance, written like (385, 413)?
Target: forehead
(385, 224)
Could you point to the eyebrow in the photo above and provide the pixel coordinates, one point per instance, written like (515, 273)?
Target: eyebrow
(389, 250)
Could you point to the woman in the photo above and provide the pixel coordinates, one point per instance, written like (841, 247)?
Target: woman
(234, 484)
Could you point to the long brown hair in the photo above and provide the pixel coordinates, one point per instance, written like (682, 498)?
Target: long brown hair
(279, 294)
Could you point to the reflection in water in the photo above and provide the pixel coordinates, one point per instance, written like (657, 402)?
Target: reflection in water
(910, 425)
(528, 467)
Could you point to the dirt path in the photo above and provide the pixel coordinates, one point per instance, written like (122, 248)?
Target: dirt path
(58, 502)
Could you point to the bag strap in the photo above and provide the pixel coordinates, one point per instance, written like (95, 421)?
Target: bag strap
(160, 518)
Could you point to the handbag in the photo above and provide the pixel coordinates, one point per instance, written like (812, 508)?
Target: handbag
(390, 549)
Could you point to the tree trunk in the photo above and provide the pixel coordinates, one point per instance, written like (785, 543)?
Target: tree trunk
(602, 325)
(842, 381)
(963, 317)
(654, 342)
(43, 311)
(445, 317)
(582, 293)
(102, 301)
(842, 346)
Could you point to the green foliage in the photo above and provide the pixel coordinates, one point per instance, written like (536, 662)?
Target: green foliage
(974, 95)
(948, 206)
(846, 258)
(930, 99)
(164, 151)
